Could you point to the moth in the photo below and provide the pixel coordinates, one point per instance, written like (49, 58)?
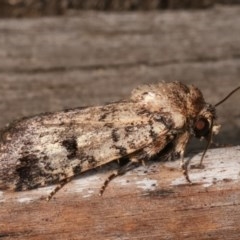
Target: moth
(157, 121)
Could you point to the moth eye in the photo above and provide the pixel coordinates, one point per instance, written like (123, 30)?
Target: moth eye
(201, 127)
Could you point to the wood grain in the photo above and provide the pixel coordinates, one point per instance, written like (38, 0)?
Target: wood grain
(152, 202)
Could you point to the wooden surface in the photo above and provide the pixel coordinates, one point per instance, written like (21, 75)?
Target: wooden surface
(153, 202)
(90, 58)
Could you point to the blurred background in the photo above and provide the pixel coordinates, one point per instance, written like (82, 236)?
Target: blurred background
(31, 8)
(59, 54)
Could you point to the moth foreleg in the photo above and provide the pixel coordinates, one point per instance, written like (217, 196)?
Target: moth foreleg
(184, 167)
(121, 171)
(59, 186)
(180, 147)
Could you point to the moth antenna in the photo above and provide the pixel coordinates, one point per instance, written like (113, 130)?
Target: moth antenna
(229, 95)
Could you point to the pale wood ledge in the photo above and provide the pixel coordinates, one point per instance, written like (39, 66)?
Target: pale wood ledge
(148, 203)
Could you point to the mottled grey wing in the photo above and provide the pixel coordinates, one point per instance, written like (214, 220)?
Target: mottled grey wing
(47, 149)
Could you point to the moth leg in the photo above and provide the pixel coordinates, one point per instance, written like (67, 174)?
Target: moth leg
(184, 167)
(59, 186)
(181, 147)
(143, 162)
(121, 171)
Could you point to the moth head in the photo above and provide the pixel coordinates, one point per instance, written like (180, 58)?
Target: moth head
(205, 126)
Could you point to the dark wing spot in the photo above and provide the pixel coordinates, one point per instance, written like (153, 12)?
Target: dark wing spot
(84, 157)
(103, 117)
(77, 170)
(110, 125)
(165, 119)
(71, 146)
(91, 161)
(128, 130)
(28, 171)
(122, 150)
(152, 133)
(115, 135)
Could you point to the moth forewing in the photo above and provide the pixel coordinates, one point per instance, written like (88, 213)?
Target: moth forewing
(39, 152)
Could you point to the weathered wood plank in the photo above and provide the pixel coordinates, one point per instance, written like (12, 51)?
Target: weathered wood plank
(152, 202)
(49, 64)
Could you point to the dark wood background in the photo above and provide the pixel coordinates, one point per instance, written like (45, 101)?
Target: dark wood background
(35, 8)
